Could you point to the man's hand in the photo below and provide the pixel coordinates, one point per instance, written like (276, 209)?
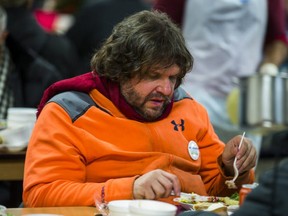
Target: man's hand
(156, 184)
(246, 155)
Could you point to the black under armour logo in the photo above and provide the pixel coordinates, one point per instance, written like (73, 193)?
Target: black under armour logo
(178, 125)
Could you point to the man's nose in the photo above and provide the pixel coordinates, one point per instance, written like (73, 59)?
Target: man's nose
(165, 87)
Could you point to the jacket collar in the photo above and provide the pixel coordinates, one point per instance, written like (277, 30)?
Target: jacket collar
(88, 81)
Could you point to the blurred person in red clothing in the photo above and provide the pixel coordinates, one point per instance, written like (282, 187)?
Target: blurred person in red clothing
(56, 16)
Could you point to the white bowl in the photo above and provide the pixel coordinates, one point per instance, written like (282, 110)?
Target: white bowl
(152, 208)
(119, 207)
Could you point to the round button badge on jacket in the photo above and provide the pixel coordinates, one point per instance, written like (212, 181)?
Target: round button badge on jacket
(193, 150)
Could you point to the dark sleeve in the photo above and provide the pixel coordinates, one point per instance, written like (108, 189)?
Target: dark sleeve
(270, 196)
(34, 73)
(174, 8)
(60, 52)
(276, 26)
(23, 26)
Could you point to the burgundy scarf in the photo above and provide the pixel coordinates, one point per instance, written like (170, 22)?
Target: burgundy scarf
(89, 81)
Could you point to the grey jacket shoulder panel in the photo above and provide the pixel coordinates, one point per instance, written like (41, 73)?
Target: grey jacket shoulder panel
(74, 103)
(77, 103)
(181, 94)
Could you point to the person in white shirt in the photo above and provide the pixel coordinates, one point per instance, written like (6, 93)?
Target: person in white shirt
(229, 40)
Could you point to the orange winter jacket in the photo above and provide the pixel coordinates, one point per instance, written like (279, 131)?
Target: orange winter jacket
(82, 146)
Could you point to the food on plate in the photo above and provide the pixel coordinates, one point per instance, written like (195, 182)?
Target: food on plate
(208, 203)
(218, 208)
(193, 198)
(232, 200)
(200, 206)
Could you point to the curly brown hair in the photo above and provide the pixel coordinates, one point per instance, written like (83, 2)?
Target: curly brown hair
(145, 41)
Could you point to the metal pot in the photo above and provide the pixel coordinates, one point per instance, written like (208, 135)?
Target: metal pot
(263, 101)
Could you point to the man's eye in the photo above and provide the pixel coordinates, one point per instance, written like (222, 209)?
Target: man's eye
(173, 78)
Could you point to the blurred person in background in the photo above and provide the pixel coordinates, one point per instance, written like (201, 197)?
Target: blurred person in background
(56, 16)
(94, 21)
(24, 28)
(162, 139)
(6, 94)
(24, 75)
(6, 87)
(285, 65)
(229, 40)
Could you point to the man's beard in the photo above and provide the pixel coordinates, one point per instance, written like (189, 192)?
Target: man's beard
(134, 99)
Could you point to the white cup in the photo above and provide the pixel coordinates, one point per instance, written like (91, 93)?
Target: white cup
(20, 116)
(20, 123)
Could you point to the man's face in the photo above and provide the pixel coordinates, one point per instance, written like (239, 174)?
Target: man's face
(150, 95)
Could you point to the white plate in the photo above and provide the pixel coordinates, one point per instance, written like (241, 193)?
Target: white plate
(186, 206)
(13, 148)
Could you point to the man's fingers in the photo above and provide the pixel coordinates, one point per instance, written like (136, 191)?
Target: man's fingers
(249, 162)
(156, 184)
(175, 183)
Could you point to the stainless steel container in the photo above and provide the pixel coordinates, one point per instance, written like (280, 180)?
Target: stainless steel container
(263, 101)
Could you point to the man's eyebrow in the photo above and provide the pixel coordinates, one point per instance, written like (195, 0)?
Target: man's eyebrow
(155, 72)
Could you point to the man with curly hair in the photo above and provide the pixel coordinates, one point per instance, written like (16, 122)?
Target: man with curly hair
(127, 130)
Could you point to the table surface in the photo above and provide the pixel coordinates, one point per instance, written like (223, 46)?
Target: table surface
(12, 155)
(63, 211)
(12, 165)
